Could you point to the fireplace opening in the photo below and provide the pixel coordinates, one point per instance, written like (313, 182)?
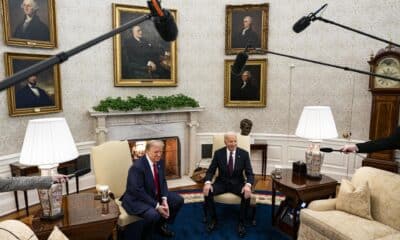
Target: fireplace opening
(171, 154)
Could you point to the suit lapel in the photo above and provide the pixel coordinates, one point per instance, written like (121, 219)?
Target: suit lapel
(237, 159)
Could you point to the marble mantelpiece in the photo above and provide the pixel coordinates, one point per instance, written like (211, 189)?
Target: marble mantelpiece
(118, 125)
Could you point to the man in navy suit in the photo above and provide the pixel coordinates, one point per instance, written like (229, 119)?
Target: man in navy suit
(147, 193)
(231, 162)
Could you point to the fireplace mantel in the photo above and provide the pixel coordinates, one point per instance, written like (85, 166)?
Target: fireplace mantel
(119, 119)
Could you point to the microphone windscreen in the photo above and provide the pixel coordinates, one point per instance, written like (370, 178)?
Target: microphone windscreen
(239, 63)
(301, 24)
(166, 26)
(327, 150)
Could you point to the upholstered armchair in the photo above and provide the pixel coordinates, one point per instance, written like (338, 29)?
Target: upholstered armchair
(111, 163)
(376, 216)
(230, 198)
(14, 229)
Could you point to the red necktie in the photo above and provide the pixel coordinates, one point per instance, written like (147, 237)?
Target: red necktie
(230, 163)
(156, 180)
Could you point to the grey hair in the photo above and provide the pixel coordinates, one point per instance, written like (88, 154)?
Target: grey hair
(33, 3)
(154, 143)
(228, 134)
(250, 18)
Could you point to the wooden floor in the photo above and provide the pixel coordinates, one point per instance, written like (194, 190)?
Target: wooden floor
(260, 184)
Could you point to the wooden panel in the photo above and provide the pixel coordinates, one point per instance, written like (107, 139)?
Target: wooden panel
(384, 120)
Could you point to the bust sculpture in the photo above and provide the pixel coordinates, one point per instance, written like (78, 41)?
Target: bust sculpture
(245, 126)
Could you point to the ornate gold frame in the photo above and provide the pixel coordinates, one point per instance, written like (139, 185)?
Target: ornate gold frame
(264, 9)
(54, 73)
(261, 102)
(136, 11)
(13, 41)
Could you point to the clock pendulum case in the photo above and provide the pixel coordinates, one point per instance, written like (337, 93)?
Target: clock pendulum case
(385, 104)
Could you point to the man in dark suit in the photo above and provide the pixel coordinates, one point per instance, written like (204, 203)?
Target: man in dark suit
(246, 91)
(389, 143)
(246, 36)
(231, 162)
(32, 27)
(32, 96)
(141, 58)
(147, 193)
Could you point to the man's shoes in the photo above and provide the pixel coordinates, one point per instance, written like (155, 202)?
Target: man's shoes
(241, 230)
(165, 232)
(212, 225)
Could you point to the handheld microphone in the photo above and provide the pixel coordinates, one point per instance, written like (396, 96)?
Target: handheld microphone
(303, 22)
(163, 21)
(240, 62)
(328, 150)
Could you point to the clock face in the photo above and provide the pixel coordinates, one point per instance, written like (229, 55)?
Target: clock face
(388, 66)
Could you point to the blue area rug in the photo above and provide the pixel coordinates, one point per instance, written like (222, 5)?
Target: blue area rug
(189, 224)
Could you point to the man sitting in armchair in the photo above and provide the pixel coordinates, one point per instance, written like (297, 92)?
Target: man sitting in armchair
(231, 162)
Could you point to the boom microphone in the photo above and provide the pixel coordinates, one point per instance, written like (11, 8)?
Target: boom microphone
(240, 62)
(163, 21)
(303, 22)
(328, 150)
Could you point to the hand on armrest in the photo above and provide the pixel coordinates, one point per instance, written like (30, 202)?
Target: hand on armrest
(323, 205)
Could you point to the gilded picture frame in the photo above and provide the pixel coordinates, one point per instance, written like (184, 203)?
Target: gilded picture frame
(246, 25)
(36, 31)
(141, 57)
(247, 89)
(39, 94)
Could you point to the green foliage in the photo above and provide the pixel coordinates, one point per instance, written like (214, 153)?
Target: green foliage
(146, 104)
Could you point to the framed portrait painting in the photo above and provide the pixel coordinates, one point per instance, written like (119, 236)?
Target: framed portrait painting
(29, 23)
(141, 56)
(247, 89)
(39, 93)
(246, 25)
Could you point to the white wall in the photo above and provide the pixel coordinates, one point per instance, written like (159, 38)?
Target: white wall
(88, 77)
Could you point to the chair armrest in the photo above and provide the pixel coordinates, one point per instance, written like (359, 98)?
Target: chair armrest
(323, 205)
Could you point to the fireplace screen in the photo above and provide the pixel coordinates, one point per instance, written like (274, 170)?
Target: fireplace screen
(171, 154)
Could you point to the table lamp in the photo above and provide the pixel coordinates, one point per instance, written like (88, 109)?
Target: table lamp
(316, 123)
(47, 143)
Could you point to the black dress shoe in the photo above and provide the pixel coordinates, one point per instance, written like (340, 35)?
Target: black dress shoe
(241, 230)
(165, 232)
(211, 225)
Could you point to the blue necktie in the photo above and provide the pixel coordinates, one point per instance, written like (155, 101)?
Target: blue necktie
(230, 163)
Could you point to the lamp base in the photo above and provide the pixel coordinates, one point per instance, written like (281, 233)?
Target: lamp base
(51, 218)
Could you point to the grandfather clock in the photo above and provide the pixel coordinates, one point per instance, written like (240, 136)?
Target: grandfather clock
(385, 104)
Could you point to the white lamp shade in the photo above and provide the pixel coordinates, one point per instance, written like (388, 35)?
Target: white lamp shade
(316, 123)
(48, 141)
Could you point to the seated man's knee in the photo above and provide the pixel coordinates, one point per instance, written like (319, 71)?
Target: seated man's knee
(151, 216)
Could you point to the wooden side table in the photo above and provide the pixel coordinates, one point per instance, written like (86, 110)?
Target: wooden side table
(297, 190)
(84, 219)
(264, 152)
(18, 170)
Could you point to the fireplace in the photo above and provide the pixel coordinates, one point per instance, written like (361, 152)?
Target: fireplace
(171, 154)
(159, 124)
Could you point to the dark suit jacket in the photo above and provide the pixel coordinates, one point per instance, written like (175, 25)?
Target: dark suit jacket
(250, 37)
(135, 57)
(140, 194)
(25, 98)
(248, 93)
(242, 163)
(36, 30)
(388, 143)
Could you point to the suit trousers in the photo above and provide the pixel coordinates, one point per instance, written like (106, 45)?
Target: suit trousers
(220, 188)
